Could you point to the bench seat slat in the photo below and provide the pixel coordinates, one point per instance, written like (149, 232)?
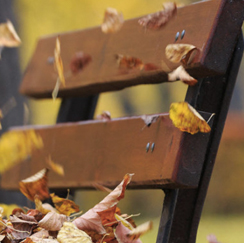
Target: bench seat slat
(92, 151)
(102, 73)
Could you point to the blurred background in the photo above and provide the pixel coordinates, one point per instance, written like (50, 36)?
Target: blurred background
(224, 208)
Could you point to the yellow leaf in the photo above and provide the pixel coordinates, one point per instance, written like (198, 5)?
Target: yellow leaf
(124, 221)
(39, 207)
(69, 233)
(187, 119)
(64, 206)
(35, 185)
(113, 21)
(55, 166)
(16, 146)
(8, 35)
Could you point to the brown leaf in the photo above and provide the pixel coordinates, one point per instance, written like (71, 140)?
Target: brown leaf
(69, 233)
(57, 168)
(158, 20)
(8, 35)
(105, 116)
(181, 74)
(113, 21)
(53, 221)
(128, 62)
(79, 61)
(64, 206)
(184, 53)
(35, 185)
(187, 119)
(91, 220)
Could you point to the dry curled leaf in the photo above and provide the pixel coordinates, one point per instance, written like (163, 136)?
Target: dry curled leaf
(35, 185)
(69, 233)
(17, 146)
(57, 168)
(8, 35)
(91, 219)
(113, 21)
(149, 119)
(63, 205)
(159, 19)
(53, 221)
(105, 116)
(181, 74)
(128, 62)
(79, 61)
(184, 53)
(187, 119)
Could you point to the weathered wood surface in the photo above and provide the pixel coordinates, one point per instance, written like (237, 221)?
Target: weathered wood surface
(104, 151)
(202, 29)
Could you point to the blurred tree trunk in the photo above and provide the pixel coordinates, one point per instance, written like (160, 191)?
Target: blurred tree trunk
(10, 77)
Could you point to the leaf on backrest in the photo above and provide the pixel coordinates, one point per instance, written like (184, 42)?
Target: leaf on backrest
(129, 62)
(35, 185)
(187, 119)
(64, 206)
(113, 21)
(181, 74)
(16, 146)
(159, 19)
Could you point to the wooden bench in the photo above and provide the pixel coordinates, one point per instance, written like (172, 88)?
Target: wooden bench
(103, 151)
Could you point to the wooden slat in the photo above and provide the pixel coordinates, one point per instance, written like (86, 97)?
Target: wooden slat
(202, 29)
(104, 151)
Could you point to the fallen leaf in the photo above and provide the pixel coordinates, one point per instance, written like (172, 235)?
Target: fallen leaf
(63, 205)
(53, 221)
(187, 119)
(105, 116)
(39, 207)
(184, 53)
(57, 168)
(126, 223)
(41, 234)
(139, 230)
(128, 62)
(79, 61)
(91, 220)
(181, 74)
(113, 21)
(149, 119)
(17, 146)
(121, 233)
(69, 233)
(212, 239)
(8, 35)
(35, 185)
(159, 19)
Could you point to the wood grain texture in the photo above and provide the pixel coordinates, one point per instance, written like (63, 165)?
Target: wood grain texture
(202, 29)
(104, 151)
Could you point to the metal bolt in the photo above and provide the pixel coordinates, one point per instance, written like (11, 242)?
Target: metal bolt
(177, 36)
(152, 147)
(50, 60)
(182, 34)
(147, 147)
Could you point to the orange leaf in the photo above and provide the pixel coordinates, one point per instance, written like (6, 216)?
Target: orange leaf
(79, 61)
(35, 185)
(64, 206)
(181, 74)
(187, 119)
(8, 35)
(129, 62)
(184, 53)
(159, 19)
(55, 166)
(113, 21)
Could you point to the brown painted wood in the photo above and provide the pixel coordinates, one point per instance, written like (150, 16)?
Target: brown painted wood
(202, 29)
(104, 151)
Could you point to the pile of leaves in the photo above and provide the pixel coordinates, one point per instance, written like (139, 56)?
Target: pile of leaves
(64, 222)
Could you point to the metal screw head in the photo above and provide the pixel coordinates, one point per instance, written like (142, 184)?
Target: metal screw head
(182, 34)
(177, 36)
(147, 147)
(50, 60)
(152, 147)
